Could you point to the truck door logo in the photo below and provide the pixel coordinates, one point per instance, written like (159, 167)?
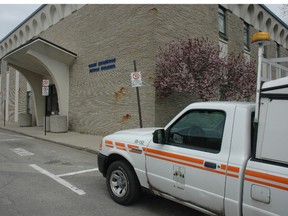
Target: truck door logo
(179, 174)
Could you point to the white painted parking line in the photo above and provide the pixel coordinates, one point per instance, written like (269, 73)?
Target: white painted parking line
(79, 172)
(58, 179)
(22, 152)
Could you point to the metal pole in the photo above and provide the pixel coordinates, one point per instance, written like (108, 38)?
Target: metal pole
(138, 99)
(45, 116)
(4, 112)
(260, 56)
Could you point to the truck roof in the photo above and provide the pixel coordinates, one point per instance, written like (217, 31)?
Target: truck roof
(220, 104)
(278, 83)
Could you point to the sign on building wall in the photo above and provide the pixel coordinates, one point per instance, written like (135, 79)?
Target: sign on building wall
(106, 64)
(136, 79)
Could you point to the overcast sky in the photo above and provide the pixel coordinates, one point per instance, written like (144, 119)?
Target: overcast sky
(12, 15)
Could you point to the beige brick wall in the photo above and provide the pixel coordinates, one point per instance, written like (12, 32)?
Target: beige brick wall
(175, 23)
(103, 102)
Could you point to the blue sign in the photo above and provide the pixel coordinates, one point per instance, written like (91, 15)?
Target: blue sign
(102, 65)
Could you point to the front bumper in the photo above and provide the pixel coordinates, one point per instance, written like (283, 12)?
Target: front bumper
(101, 163)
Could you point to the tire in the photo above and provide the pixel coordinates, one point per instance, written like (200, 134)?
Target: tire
(122, 183)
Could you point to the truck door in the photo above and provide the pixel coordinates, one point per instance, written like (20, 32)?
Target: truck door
(190, 166)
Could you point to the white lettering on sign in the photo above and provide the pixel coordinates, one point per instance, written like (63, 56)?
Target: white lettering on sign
(136, 79)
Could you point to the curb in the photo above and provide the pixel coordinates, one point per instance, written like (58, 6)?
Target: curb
(59, 143)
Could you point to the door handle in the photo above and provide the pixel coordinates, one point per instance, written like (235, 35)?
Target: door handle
(210, 165)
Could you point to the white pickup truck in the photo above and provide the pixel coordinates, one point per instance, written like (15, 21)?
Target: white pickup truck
(211, 157)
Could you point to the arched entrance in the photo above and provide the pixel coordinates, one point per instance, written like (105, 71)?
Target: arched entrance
(40, 59)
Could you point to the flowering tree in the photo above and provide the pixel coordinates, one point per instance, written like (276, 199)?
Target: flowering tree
(239, 78)
(194, 66)
(189, 66)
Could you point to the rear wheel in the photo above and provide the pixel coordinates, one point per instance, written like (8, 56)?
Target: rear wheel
(122, 183)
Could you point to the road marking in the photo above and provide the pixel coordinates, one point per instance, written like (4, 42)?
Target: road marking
(79, 172)
(22, 152)
(58, 179)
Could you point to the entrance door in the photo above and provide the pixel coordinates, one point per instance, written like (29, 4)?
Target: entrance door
(52, 101)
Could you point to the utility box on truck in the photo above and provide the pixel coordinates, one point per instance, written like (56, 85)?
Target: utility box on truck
(273, 122)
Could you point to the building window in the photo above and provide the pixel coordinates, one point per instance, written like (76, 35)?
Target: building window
(246, 36)
(278, 52)
(222, 22)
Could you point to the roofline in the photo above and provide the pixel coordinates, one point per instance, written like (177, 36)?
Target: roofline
(39, 39)
(43, 5)
(274, 15)
(31, 15)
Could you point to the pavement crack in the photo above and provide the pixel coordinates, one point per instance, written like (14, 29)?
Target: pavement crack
(10, 182)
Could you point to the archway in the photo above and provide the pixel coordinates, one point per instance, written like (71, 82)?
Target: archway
(40, 59)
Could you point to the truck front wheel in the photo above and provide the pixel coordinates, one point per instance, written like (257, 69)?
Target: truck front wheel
(122, 183)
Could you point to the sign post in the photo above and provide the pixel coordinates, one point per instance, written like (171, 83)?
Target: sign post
(45, 92)
(136, 81)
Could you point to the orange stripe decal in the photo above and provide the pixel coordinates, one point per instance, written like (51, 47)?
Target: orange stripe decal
(134, 149)
(109, 142)
(267, 184)
(175, 156)
(133, 146)
(186, 164)
(265, 176)
(120, 146)
(230, 168)
(186, 161)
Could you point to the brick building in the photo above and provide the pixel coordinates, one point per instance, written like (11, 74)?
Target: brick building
(87, 54)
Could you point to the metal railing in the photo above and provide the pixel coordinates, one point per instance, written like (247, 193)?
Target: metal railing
(271, 69)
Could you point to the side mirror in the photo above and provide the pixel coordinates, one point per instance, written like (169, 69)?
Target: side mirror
(159, 136)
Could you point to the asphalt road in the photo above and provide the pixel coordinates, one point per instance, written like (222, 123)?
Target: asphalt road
(40, 178)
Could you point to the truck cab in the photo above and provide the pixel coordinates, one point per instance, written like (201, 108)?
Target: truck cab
(198, 159)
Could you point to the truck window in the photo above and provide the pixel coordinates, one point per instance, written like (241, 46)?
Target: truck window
(198, 129)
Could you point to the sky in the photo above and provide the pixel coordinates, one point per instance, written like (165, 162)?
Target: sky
(11, 15)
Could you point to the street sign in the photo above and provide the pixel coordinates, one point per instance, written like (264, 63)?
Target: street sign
(45, 90)
(45, 82)
(45, 87)
(136, 79)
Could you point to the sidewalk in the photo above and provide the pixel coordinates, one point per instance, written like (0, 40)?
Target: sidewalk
(76, 140)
